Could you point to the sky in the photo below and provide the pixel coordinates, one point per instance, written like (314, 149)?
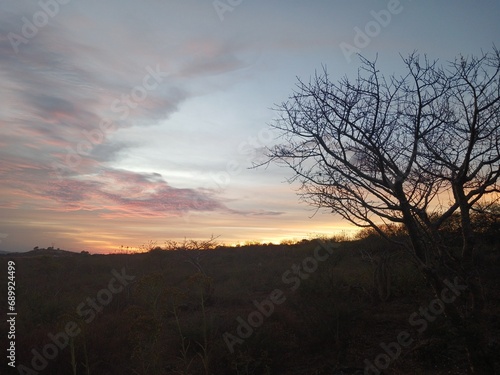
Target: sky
(124, 122)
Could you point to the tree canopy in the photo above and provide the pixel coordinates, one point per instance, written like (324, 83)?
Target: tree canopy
(382, 149)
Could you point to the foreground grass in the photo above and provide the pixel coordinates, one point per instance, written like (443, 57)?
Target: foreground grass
(173, 319)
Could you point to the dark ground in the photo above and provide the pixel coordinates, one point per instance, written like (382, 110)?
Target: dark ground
(171, 319)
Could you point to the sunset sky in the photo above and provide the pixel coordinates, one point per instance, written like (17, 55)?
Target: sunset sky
(128, 121)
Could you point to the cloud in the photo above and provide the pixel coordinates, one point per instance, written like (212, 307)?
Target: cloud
(58, 86)
(107, 191)
(261, 213)
(110, 151)
(60, 83)
(119, 193)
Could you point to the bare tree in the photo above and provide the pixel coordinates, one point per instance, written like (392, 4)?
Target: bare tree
(193, 252)
(412, 150)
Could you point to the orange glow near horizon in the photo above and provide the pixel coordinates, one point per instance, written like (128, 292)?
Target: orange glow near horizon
(110, 247)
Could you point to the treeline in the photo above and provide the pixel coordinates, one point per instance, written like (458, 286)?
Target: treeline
(485, 222)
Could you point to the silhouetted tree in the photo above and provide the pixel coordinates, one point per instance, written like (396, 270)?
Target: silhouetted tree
(414, 150)
(486, 222)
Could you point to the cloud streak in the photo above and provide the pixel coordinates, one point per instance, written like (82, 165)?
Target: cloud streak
(58, 87)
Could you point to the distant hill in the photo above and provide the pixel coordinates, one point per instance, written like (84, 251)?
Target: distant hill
(38, 252)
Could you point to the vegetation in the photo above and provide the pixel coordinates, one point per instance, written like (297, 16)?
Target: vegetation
(171, 318)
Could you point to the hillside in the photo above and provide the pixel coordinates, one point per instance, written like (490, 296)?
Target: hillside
(40, 252)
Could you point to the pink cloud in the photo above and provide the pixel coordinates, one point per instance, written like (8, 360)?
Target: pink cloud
(119, 193)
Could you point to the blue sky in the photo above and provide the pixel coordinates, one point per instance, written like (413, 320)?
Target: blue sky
(128, 121)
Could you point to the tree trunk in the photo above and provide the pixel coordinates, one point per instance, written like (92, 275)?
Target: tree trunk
(468, 326)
